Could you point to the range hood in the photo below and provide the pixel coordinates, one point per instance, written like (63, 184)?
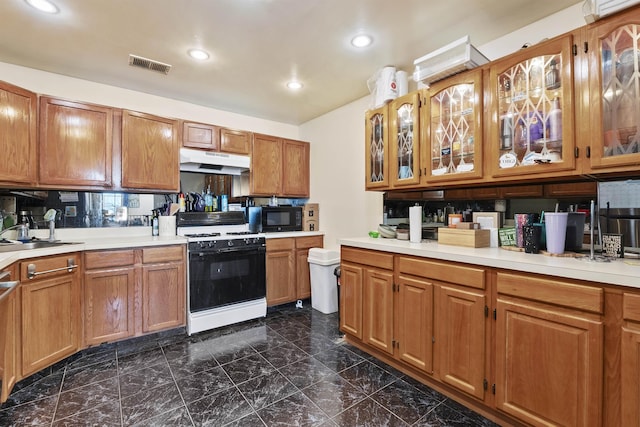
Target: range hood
(212, 162)
(447, 61)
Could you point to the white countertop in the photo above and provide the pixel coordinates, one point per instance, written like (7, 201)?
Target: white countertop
(625, 272)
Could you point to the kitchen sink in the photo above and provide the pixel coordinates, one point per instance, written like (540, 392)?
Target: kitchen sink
(35, 244)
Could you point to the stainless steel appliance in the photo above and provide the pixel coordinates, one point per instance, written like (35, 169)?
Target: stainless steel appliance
(281, 218)
(226, 269)
(625, 221)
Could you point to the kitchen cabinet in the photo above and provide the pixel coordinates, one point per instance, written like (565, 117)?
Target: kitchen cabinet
(281, 272)
(279, 167)
(376, 126)
(288, 269)
(532, 97)
(454, 134)
(377, 305)
(571, 189)
(351, 281)
(235, 141)
(613, 75)
(108, 297)
(9, 332)
(18, 133)
(200, 136)
(549, 350)
(404, 139)
(630, 360)
(50, 310)
(303, 277)
(150, 152)
(75, 144)
(163, 292)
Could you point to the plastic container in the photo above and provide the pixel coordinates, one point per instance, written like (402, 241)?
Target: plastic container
(556, 231)
(324, 292)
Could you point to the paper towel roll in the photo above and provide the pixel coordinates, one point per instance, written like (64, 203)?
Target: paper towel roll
(415, 224)
(402, 80)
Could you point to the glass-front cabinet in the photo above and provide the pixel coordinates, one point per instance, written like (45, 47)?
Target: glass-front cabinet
(377, 149)
(454, 129)
(533, 110)
(614, 102)
(404, 137)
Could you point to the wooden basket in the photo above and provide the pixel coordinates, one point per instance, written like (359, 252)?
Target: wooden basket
(468, 238)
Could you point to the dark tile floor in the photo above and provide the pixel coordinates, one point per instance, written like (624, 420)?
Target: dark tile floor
(288, 369)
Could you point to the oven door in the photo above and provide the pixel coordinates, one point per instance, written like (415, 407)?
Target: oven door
(226, 277)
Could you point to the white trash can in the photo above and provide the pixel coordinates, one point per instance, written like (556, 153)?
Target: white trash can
(324, 292)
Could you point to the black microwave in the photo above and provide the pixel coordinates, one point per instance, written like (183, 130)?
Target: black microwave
(281, 218)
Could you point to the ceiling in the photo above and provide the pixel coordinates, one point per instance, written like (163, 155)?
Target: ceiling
(256, 46)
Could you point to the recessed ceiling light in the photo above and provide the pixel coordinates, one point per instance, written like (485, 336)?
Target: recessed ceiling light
(198, 54)
(43, 6)
(362, 40)
(294, 85)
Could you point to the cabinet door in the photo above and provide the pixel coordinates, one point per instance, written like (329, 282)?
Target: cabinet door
(295, 168)
(18, 126)
(150, 152)
(460, 339)
(630, 360)
(163, 296)
(108, 305)
(377, 309)
(532, 95)
(200, 135)
(376, 149)
(303, 279)
(414, 322)
(404, 140)
(351, 282)
(281, 271)
(266, 165)
(9, 343)
(76, 144)
(614, 103)
(235, 141)
(50, 321)
(548, 365)
(454, 136)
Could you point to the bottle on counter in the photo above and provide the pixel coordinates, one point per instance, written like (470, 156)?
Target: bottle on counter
(208, 200)
(214, 202)
(155, 223)
(182, 203)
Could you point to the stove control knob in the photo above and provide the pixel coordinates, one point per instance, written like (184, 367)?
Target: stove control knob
(212, 244)
(230, 243)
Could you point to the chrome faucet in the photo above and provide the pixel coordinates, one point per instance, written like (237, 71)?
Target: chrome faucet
(50, 216)
(23, 231)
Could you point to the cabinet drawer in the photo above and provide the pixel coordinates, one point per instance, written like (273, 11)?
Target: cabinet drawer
(285, 244)
(47, 267)
(105, 259)
(162, 254)
(552, 291)
(372, 258)
(458, 274)
(631, 307)
(309, 242)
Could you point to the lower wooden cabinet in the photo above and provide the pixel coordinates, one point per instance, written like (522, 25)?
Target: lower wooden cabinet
(50, 307)
(351, 281)
(288, 269)
(9, 333)
(549, 350)
(630, 358)
(377, 308)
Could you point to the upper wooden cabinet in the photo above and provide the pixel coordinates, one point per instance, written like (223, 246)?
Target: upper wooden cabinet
(279, 167)
(377, 149)
(453, 136)
(614, 100)
(200, 135)
(235, 141)
(150, 152)
(531, 130)
(405, 140)
(76, 144)
(18, 124)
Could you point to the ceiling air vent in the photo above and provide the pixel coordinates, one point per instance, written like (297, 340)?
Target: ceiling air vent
(149, 64)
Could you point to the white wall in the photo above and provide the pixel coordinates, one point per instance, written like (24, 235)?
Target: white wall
(337, 143)
(83, 90)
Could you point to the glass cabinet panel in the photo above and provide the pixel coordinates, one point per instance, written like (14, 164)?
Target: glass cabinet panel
(377, 153)
(405, 137)
(455, 133)
(530, 100)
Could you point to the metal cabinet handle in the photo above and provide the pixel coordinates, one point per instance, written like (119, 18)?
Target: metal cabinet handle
(8, 286)
(31, 269)
(4, 274)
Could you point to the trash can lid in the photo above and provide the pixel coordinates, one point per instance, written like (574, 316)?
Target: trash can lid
(323, 256)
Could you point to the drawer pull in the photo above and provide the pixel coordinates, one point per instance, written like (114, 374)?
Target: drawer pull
(31, 269)
(8, 287)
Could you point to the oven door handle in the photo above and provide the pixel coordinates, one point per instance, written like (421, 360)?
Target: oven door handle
(259, 250)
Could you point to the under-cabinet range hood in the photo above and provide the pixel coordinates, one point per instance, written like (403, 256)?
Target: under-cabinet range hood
(213, 162)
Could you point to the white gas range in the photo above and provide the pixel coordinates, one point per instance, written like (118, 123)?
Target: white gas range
(226, 269)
